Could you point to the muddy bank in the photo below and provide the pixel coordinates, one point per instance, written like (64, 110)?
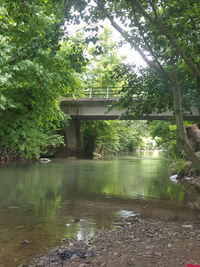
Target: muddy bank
(135, 242)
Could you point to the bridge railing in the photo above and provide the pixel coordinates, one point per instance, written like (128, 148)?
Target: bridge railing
(102, 92)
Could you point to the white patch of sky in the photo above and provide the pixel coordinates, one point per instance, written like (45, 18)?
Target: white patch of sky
(131, 56)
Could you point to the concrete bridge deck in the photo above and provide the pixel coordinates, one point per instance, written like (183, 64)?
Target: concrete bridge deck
(99, 109)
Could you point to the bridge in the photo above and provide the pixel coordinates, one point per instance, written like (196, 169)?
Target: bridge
(96, 104)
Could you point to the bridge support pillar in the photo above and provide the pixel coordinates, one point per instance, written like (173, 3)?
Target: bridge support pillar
(74, 138)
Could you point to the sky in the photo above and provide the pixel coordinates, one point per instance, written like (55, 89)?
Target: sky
(132, 56)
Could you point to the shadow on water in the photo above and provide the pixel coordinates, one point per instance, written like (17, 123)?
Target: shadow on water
(43, 203)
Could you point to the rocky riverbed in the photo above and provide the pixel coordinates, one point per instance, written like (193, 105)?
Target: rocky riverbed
(134, 242)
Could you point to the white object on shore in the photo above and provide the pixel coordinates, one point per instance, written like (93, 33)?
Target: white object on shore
(45, 160)
(173, 178)
(96, 155)
(187, 225)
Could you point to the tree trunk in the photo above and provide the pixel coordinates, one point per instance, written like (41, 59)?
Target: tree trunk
(190, 153)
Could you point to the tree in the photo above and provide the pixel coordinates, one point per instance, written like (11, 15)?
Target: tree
(36, 72)
(103, 62)
(165, 34)
(107, 137)
(111, 137)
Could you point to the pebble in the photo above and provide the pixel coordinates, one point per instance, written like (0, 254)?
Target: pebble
(74, 257)
(117, 247)
(25, 242)
(158, 254)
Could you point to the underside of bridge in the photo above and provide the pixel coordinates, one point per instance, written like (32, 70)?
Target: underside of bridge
(99, 109)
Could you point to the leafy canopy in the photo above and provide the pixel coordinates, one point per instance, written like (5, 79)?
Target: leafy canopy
(37, 68)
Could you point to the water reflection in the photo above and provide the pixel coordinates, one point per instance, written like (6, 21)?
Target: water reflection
(46, 202)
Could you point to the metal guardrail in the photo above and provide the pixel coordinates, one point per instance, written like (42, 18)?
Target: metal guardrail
(102, 92)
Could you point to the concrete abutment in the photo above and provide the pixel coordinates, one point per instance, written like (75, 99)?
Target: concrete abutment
(73, 141)
(73, 137)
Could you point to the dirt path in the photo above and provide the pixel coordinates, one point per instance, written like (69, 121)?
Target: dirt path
(136, 242)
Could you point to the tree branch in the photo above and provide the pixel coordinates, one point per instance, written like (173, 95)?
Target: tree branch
(149, 47)
(154, 10)
(128, 38)
(164, 31)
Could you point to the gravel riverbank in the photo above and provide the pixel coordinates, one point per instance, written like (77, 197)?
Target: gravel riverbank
(135, 242)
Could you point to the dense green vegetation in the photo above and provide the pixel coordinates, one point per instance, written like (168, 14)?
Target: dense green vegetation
(108, 137)
(40, 65)
(102, 65)
(166, 35)
(35, 72)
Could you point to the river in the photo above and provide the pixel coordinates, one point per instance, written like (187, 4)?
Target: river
(43, 203)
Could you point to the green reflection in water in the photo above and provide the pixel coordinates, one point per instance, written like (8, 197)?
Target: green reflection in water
(133, 177)
(40, 202)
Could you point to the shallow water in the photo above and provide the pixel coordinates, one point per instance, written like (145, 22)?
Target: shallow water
(43, 203)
